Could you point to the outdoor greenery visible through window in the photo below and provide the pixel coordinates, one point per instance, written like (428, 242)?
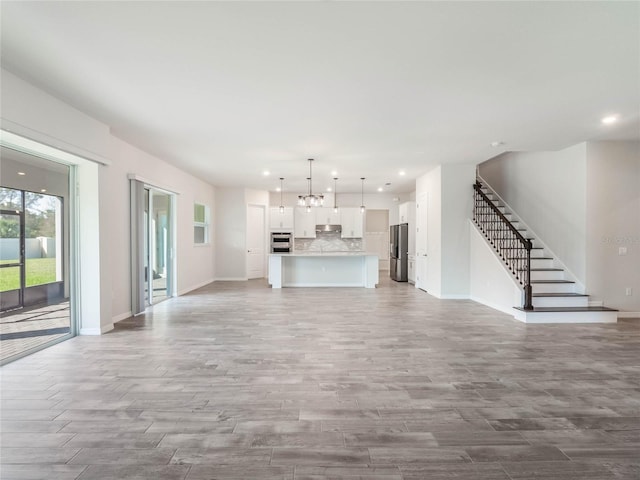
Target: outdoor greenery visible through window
(200, 224)
(42, 238)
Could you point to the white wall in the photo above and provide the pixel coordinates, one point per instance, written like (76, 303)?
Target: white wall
(457, 208)
(230, 234)
(490, 283)
(104, 199)
(449, 207)
(613, 221)
(33, 113)
(195, 265)
(547, 191)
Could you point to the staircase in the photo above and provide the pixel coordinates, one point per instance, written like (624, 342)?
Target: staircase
(550, 295)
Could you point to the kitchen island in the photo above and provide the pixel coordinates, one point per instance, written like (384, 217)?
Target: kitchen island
(327, 269)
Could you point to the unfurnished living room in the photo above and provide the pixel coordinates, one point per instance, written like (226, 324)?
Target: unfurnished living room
(320, 240)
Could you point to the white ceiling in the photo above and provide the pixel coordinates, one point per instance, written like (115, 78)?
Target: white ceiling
(228, 89)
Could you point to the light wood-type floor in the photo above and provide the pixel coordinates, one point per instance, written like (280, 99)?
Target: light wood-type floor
(21, 330)
(238, 381)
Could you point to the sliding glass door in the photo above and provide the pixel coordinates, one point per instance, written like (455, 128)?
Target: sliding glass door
(151, 245)
(35, 288)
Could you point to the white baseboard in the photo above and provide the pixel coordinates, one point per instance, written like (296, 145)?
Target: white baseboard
(96, 331)
(231, 279)
(122, 316)
(629, 315)
(195, 287)
(447, 296)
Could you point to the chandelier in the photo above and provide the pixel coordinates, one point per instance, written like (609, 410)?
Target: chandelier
(310, 200)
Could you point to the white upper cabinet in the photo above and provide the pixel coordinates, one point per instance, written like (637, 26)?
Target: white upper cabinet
(304, 223)
(352, 221)
(281, 221)
(326, 216)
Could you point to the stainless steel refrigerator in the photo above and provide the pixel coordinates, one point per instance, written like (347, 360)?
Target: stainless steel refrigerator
(399, 255)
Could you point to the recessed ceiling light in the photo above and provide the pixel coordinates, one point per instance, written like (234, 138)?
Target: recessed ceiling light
(43, 190)
(610, 119)
(277, 189)
(21, 173)
(401, 173)
(380, 189)
(497, 144)
(328, 189)
(266, 173)
(334, 173)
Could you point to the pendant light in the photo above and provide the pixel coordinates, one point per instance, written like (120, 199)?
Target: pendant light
(307, 200)
(335, 194)
(281, 204)
(310, 200)
(362, 207)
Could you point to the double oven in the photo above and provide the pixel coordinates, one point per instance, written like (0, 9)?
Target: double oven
(281, 242)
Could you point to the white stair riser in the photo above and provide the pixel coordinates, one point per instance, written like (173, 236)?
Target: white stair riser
(567, 317)
(553, 287)
(547, 263)
(547, 275)
(561, 301)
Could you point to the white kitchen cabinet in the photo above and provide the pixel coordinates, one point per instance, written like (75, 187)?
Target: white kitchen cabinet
(352, 221)
(281, 221)
(304, 225)
(326, 216)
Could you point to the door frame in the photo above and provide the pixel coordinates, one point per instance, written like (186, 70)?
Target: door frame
(422, 251)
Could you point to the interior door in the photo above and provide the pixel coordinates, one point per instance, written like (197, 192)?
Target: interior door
(421, 240)
(255, 241)
(12, 265)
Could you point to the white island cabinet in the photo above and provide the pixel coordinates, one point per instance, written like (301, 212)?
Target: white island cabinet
(323, 270)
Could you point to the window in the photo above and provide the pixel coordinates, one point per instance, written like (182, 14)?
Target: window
(200, 224)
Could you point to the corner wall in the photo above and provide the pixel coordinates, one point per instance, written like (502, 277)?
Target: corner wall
(447, 190)
(613, 222)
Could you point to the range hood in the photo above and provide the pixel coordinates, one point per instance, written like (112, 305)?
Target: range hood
(329, 228)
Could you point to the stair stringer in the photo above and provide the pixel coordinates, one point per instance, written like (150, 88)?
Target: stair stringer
(569, 275)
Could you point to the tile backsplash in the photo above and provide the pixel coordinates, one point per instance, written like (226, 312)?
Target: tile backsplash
(328, 242)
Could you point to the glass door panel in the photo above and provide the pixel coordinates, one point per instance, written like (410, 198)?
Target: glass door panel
(11, 260)
(160, 238)
(43, 239)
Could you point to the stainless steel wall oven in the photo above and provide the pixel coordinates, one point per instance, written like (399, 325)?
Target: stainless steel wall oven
(281, 242)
